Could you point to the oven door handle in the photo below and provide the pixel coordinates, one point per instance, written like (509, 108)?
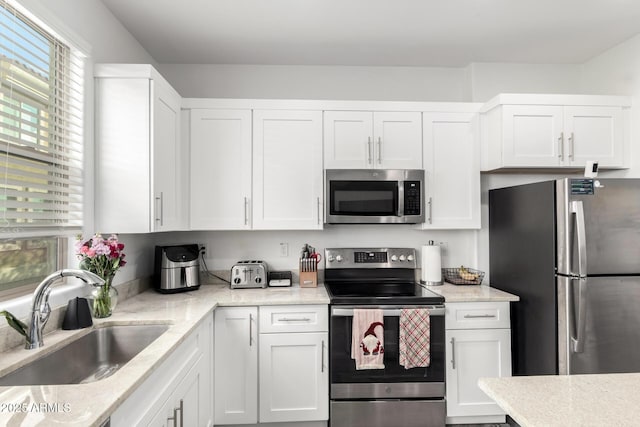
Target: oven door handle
(434, 310)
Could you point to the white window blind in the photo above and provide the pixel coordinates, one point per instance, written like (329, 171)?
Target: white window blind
(41, 129)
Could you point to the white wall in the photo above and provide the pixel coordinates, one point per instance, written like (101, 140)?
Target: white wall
(489, 79)
(318, 82)
(225, 248)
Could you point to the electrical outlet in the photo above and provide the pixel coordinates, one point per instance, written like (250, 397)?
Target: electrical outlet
(203, 248)
(284, 249)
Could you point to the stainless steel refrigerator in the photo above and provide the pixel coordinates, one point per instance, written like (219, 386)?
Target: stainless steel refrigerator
(571, 250)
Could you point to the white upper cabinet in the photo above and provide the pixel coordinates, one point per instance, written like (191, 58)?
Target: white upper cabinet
(138, 181)
(363, 140)
(287, 170)
(220, 169)
(555, 131)
(452, 171)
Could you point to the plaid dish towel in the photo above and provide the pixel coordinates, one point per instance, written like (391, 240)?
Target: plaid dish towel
(415, 338)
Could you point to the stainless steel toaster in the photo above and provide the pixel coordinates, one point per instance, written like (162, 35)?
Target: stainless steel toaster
(249, 274)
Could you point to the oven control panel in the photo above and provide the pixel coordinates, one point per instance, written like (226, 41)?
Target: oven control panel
(370, 258)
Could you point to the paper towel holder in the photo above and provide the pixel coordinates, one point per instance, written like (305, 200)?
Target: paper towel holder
(431, 276)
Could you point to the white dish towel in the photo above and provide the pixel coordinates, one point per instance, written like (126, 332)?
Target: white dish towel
(367, 339)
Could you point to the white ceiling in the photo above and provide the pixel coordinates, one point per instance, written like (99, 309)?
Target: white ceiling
(377, 32)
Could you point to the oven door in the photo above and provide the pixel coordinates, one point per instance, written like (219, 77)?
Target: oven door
(394, 381)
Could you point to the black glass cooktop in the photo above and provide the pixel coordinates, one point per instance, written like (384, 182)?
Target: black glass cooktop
(371, 293)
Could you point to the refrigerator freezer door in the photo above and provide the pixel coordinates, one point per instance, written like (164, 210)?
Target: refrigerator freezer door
(609, 316)
(611, 222)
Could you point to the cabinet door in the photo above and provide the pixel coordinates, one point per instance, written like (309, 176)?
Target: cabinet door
(348, 140)
(236, 365)
(452, 170)
(183, 407)
(397, 140)
(220, 169)
(123, 139)
(532, 136)
(287, 170)
(167, 178)
(472, 354)
(594, 133)
(294, 380)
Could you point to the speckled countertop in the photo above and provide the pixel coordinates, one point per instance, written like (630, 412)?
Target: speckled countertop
(90, 404)
(568, 400)
(471, 293)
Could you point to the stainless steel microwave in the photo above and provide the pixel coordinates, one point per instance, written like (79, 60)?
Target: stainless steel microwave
(374, 196)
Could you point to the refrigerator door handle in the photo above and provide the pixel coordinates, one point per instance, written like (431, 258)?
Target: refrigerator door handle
(578, 210)
(579, 324)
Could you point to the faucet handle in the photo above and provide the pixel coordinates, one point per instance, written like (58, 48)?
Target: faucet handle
(45, 308)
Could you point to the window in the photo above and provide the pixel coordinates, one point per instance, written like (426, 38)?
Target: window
(41, 148)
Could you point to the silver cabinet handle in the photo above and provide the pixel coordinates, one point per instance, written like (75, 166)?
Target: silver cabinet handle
(160, 210)
(295, 319)
(181, 409)
(322, 357)
(480, 316)
(250, 328)
(571, 147)
(369, 150)
(561, 146)
(379, 150)
(453, 353)
(246, 211)
(319, 212)
(430, 204)
(174, 418)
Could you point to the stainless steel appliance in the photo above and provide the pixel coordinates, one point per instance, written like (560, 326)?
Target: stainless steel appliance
(570, 249)
(249, 274)
(177, 268)
(394, 396)
(374, 196)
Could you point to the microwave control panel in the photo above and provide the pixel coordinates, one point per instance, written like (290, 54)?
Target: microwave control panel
(412, 199)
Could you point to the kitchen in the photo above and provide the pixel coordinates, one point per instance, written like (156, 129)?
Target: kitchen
(609, 71)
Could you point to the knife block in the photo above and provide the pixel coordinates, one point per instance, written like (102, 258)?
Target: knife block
(308, 273)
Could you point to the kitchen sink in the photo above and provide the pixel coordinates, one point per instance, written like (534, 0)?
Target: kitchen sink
(90, 358)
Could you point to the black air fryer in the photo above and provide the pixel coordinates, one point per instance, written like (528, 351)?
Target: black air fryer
(177, 269)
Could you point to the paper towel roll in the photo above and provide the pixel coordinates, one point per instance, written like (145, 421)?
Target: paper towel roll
(431, 264)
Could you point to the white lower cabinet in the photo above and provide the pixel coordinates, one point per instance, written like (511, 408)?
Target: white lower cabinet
(284, 373)
(478, 338)
(178, 393)
(236, 365)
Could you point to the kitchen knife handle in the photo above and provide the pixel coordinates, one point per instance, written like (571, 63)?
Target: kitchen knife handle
(453, 353)
(571, 147)
(379, 150)
(369, 150)
(561, 146)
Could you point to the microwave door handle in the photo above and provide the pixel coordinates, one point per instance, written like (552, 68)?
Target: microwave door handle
(400, 198)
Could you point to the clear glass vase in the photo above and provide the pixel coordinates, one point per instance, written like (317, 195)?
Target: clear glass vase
(103, 299)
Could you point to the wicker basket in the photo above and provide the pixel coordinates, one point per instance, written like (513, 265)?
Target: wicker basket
(452, 275)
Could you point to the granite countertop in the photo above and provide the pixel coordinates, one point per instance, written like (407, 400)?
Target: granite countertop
(90, 404)
(568, 400)
(471, 293)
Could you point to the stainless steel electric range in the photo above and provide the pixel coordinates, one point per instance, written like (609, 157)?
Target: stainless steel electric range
(394, 396)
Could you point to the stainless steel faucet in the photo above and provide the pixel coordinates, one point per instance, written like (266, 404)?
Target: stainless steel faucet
(40, 310)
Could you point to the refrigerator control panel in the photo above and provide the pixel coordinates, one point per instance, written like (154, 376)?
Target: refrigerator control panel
(582, 187)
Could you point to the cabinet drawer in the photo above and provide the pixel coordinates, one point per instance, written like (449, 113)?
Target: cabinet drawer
(294, 318)
(477, 315)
